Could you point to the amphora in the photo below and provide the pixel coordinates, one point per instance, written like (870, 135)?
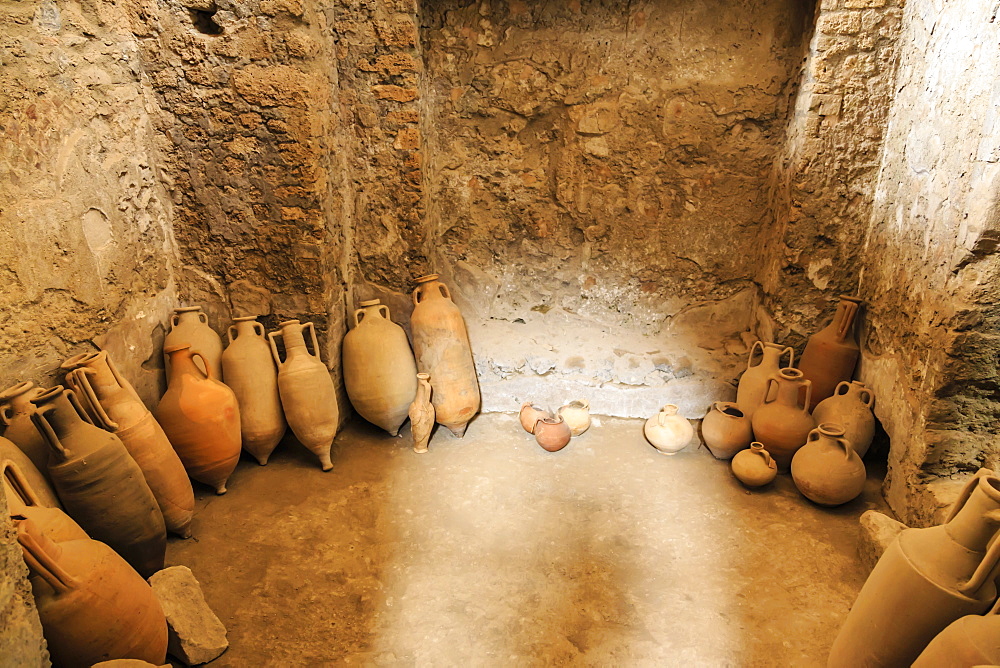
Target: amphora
(850, 407)
(22, 501)
(832, 353)
(15, 414)
(754, 467)
(422, 414)
(753, 383)
(552, 433)
(726, 430)
(577, 416)
(189, 325)
(667, 431)
(39, 482)
(826, 469)
(973, 640)
(782, 421)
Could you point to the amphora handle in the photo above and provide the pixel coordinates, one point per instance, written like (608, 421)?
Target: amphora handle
(18, 484)
(963, 496)
(208, 369)
(79, 380)
(40, 561)
(274, 348)
(988, 570)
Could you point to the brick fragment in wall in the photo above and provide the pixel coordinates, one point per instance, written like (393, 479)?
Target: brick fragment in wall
(407, 139)
(395, 93)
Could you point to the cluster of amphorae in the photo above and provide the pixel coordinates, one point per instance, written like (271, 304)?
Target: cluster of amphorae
(553, 431)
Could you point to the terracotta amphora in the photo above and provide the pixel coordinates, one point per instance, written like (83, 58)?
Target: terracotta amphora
(190, 325)
(422, 414)
(754, 467)
(93, 606)
(99, 483)
(850, 407)
(726, 430)
(552, 433)
(379, 370)
(23, 502)
(251, 375)
(40, 483)
(667, 431)
(832, 353)
(973, 640)
(826, 469)
(925, 580)
(577, 416)
(530, 414)
(201, 418)
(114, 405)
(782, 421)
(307, 392)
(753, 383)
(442, 349)
(15, 413)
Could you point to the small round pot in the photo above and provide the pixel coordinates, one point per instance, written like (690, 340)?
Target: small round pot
(552, 433)
(754, 467)
(530, 414)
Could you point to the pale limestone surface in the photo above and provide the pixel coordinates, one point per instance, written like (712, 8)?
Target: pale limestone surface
(876, 532)
(195, 634)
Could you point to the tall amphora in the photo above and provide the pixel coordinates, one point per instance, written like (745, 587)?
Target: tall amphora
(43, 488)
(307, 391)
(973, 640)
(753, 383)
(23, 502)
(832, 353)
(189, 325)
(15, 414)
(441, 345)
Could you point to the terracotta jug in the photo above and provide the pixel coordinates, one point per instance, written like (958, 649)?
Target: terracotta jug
(667, 431)
(850, 407)
(754, 467)
(23, 502)
(441, 345)
(114, 405)
(832, 353)
(422, 414)
(726, 430)
(826, 469)
(189, 325)
(201, 418)
(100, 485)
(552, 433)
(577, 416)
(782, 421)
(753, 383)
(93, 606)
(531, 414)
(40, 483)
(15, 413)
(379, 370)
(253, 378)
(973, 640)
(925, 580)
(307, 392)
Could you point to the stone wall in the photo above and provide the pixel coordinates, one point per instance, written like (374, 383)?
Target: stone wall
(21, 641)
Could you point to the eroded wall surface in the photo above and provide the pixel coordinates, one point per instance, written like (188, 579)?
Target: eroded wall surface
(21, 641)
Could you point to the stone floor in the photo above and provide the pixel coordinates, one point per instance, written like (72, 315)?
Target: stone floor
(490, 551)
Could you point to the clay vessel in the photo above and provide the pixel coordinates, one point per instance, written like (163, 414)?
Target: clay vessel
(442, 349)
(925, 580)
(753, 383)
(189, 325)
(251, 375)
(93, 606)
(15, 413)
(201, 418)
(850, 407)
(973, 640)
(100, 485)
(530, 414)
(754, 467)
(307, 392)
(577, 416)
(832, 353)
(552, 433)
(379, 370)
(114, 405)
(23, 502)
(782, 421)
(667, 431)
(40, 483)
(826, 469)
(422, 414)
(726, 430)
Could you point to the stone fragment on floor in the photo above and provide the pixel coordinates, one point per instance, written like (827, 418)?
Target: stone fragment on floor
(877, 532)
(196, 635)
(128, 663)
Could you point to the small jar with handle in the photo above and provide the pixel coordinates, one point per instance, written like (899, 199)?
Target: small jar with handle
(726, 430)
(577, 416)
(552, 433)
(826, 469)
(851, 407)
(667, 431)
(754, 467)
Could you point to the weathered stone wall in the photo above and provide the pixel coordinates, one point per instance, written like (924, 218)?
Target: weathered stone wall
(21, 641)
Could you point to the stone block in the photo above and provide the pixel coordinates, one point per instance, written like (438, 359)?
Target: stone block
(877, 532)
(196, 635)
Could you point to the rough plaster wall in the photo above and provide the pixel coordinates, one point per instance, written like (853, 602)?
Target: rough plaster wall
(21, 641)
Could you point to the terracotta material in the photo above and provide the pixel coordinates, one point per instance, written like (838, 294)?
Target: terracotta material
(552, 433)
(422, 414)
(253, 378)
(925, 580)
(832, 353)
(973, 640)
(23, 502)
(442, 349)
(114, 405)
(93, 606)
(201, 418)
(40, 483)
(753, 383)
(726, 430)
(100, 485)
(15, 413)
(530, 414)
(577, 416)
(851, 407)
(379, 369)
(826, 469)
(754, 467)
(782, 421)
(307, 392)
(667, 431)
(190, 325)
